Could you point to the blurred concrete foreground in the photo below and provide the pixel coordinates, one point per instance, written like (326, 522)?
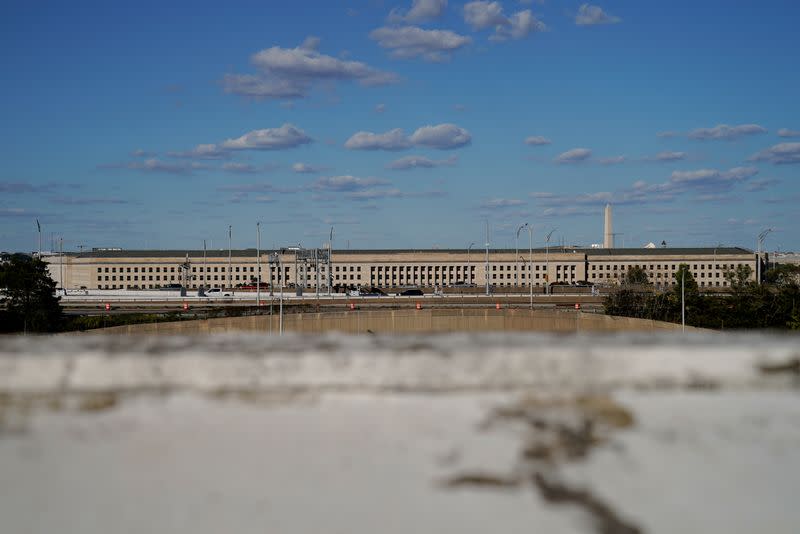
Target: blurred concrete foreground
(505, 432)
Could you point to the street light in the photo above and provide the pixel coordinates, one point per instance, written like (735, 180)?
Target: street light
(258, 262)
(469, 269)
(530, 263)
(761, 237)
(547, 262)
(719, 245)
(516, 253)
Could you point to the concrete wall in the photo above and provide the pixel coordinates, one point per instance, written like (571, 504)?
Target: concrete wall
(407, 321)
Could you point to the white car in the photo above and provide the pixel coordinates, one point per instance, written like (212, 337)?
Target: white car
(217, 292)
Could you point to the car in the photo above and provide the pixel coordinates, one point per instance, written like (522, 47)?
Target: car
(411, 293)
(217, 292)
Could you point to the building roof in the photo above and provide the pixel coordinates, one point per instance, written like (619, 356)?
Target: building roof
(251, 252)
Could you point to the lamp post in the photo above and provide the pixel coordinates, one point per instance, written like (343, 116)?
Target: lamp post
(205, 266)
(516, 253)
(330, 264)
(487, 257)
(530, 263)
(469, 268)
(761, 237)
(683, 297)
(547, 261)
(258, 263)
(714, 270)
(230, 235)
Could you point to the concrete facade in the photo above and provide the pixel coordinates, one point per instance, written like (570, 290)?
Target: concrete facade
(392, 268)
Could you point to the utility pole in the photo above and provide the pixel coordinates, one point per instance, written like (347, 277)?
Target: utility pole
(258, 263)
(39, 227)
(230, 235)
(205, 266)
(487, 257)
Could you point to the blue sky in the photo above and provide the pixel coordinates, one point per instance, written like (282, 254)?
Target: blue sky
(401, 124)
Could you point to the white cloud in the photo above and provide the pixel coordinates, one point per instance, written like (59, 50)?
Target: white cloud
(574, 155)
(408, 42)
(780, 154)
(614, 160)
(392, 140)
(304, 168)
(239, 168)
(670, 156)
(480, 15)
(502, 203)
(723, 131)
(537, 140)
(346, 183)
(589, 15)
(206, 151)
(441, 136)
(421, 11)
(139, 153)
(761, 185)
(293, 72)
(287, 136)
(153, 165)
(786, 132)
(705, 178)
(420, 162)
(380, 108)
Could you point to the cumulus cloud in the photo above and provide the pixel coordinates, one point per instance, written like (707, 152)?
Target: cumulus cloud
(480, 15)
(380, 108)
(378, 193)
(88, 201)
(206, 151)
(726, 132)
(293, 72)
(709, 178)
(574, 155)
(304, 168)
(421, 11)
(781, 153)
(139, 153)
(256, 188)
(786, 132)
(408, 42)
(346, 183)
(441, 136)
(420, 162)
(392, 140)
(287, 136)
(537, 140)
(502, 203)
(589, 15)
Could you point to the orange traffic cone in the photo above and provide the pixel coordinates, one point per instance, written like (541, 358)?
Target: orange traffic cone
(419, 305)
(577, 305)
(497, 306)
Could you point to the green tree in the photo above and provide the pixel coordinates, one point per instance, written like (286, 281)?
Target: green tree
(28, 296)
(636, 276)
(782, 275)
(740, 278)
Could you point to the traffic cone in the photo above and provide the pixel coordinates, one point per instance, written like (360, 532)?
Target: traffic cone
(185, 306)
(108, 306)
(419, 305)
(352, 305)
(577, 305)
(497, 306)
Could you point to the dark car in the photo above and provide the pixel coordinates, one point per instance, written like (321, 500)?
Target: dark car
(411, 293)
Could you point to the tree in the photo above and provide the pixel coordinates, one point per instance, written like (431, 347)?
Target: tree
(28, 296)
(782, 275)
(636, 276)
(740, 278)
